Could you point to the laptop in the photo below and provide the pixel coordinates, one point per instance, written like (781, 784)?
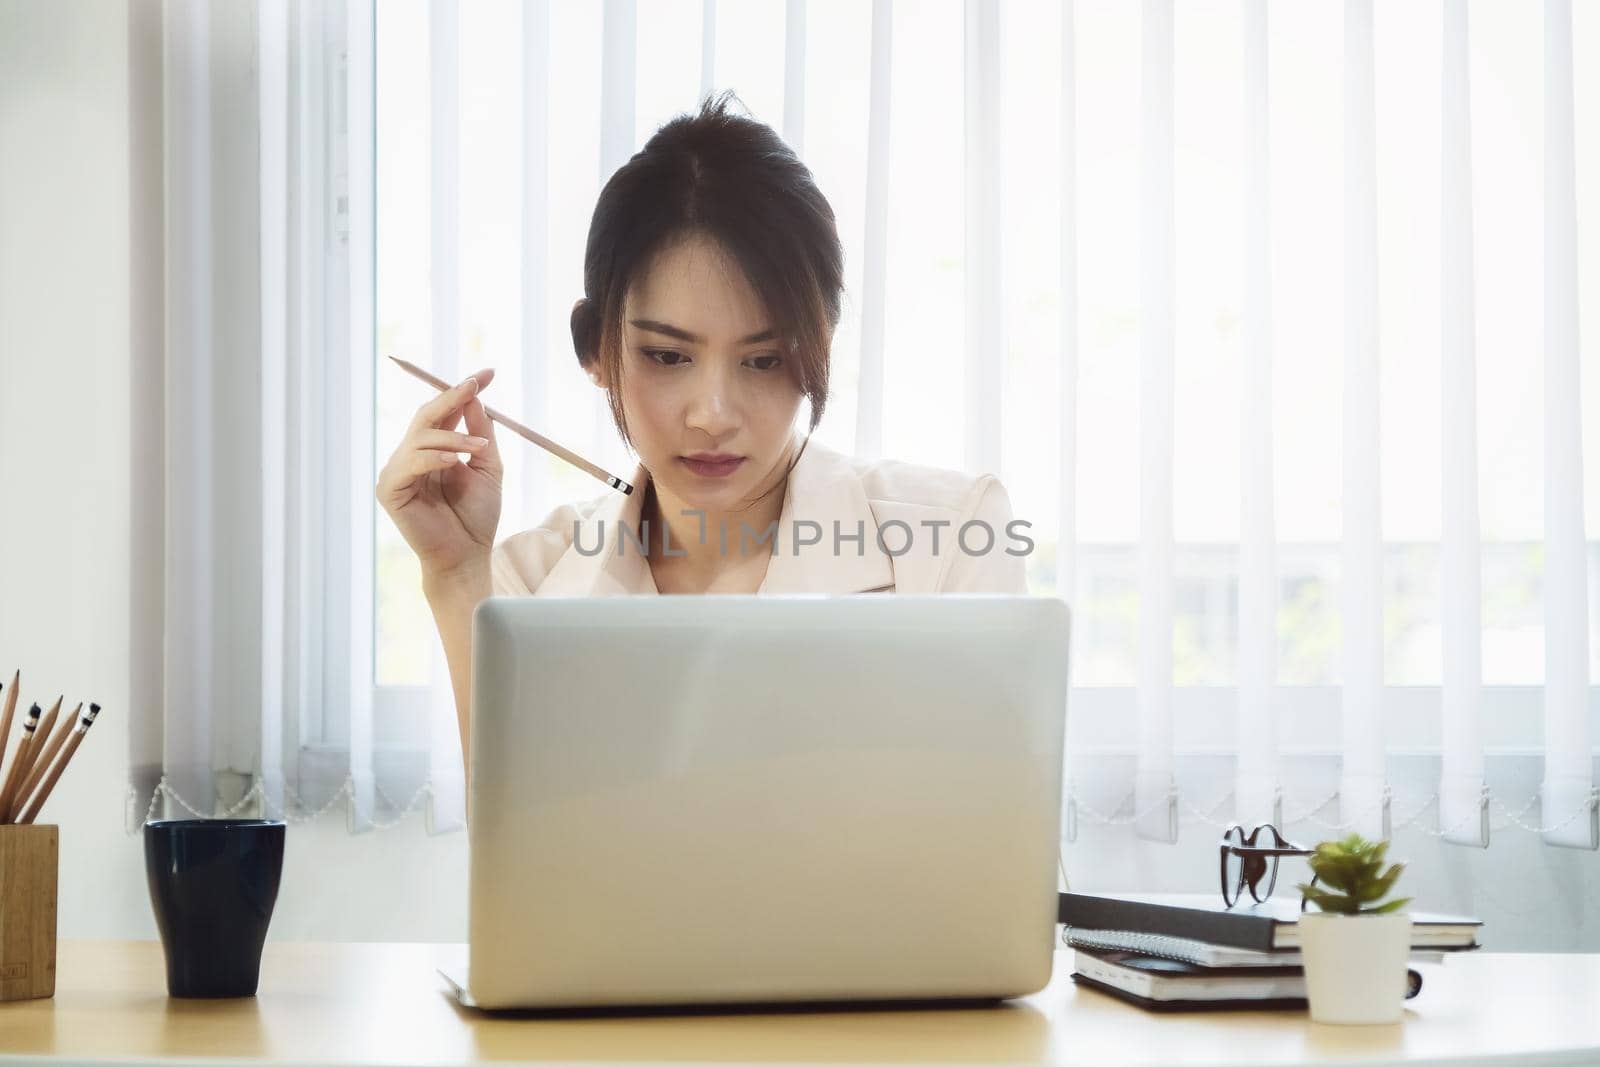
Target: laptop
(737, 800)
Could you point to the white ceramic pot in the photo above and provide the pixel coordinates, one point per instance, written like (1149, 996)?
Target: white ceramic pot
(1355, 966)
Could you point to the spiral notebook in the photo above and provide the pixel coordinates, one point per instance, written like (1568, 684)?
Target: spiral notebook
(1171, 985)
(1201, 953)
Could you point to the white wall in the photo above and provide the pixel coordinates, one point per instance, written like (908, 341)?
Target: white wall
(63, 421)
(68, 320)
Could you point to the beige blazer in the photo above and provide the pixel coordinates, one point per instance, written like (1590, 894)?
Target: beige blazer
(910, 518)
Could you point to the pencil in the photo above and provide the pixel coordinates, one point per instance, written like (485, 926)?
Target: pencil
(41, 762)
(5, 720)
(40, 737)
(19, 759)
(61, 765)
(516, 427)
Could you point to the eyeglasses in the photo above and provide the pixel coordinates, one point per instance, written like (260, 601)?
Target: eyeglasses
(1247, 864)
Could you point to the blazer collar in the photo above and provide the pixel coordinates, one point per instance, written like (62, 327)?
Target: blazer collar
(823, 489)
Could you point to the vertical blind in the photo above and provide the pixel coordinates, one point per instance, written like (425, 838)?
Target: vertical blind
(1568, 791)
(1362, 791)
(1258, 793)
(266, 510)
(875, 371)
(1154, 792)
(1166, 240)
(1463, 804)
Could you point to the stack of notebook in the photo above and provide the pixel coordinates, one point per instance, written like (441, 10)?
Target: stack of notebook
(1180, 952)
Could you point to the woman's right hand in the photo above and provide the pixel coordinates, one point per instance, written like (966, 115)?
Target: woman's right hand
(447, 510)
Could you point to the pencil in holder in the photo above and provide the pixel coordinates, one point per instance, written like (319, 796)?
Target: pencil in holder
(29, 858)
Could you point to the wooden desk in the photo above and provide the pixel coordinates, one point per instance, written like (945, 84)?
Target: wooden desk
(384, 1004)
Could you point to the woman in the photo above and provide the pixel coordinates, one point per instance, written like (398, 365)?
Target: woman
(712, 285)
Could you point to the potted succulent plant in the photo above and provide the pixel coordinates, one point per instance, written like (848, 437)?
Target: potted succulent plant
(1356, 946)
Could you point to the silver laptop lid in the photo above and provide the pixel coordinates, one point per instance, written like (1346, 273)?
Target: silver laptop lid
(730, 799)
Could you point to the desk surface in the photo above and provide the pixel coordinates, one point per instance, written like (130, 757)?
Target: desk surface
(384, 1004)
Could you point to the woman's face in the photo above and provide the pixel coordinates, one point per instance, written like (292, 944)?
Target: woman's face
(704, 376)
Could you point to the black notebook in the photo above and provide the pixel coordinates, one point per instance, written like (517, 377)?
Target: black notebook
(1265, 927)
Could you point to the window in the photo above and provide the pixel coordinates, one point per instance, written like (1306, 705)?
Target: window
(450, 250)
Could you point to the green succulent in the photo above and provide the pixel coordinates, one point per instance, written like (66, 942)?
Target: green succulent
(1348, 879)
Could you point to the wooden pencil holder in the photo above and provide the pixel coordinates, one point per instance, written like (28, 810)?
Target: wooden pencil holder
(29, 858)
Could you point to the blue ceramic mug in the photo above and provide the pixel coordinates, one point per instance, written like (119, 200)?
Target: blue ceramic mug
(212, 884)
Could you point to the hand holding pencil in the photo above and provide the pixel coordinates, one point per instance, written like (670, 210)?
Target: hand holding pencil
(445, 509)
(40, 756)
(517, 428)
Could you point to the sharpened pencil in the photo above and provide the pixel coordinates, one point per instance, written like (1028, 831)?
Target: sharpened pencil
(41, 737)
(54, 775)
(517, 428)
(47, 753)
